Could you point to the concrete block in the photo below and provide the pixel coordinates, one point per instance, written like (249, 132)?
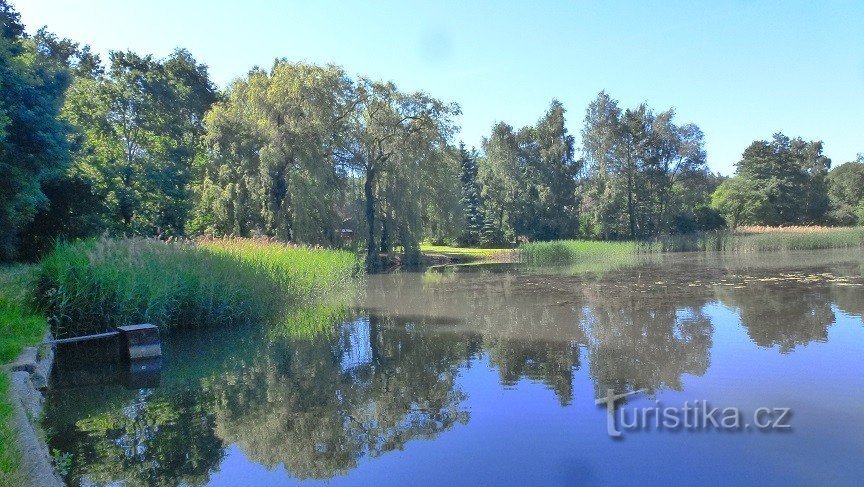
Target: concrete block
(140, 341)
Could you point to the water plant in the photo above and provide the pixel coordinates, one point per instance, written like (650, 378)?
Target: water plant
(92, 285)
(750, 239)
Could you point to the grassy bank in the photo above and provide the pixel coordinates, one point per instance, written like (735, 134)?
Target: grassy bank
(572, 251)
(466, 254)
(20, 326)
(94, 285)
(747, 239)
(764, 239)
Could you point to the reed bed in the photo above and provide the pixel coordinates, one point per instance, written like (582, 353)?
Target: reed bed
(745, 239)
(764, 239)
(94, 285)
(745, 229)
(572, 251)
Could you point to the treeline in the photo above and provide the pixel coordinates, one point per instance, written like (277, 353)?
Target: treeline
(135, 145)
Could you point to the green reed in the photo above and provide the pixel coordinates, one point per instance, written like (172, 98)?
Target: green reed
(94, 285)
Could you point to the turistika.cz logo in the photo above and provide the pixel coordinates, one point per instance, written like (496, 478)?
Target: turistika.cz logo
(693, 416)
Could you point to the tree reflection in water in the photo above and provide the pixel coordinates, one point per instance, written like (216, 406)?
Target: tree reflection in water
(316, 404)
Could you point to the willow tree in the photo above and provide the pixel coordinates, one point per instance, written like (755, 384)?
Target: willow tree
(394, 139)
(276, 154)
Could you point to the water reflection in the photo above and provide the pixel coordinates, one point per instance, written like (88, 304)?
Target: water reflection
(374, 380)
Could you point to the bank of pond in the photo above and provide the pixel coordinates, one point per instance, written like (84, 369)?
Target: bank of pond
(94, 285)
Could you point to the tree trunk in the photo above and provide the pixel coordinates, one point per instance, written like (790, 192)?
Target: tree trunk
(371, 247)
(630, 209)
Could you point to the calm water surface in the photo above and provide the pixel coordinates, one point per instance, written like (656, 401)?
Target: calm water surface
(490, 374)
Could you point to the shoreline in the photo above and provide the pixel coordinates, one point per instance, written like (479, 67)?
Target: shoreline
(29, 376)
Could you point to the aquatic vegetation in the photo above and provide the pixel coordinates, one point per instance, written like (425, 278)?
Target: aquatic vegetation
(93, 285)
(761, 239)
(756, 239)
(572, 251)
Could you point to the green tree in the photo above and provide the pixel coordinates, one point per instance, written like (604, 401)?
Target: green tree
(471, 202)
(33, 145)
(781, 182)
(528, 179)
(846, 192)
(394, 139)
(276, 156)
(140, 126)
(638, 167)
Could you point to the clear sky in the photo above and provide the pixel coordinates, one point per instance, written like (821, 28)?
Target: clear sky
(741, 70)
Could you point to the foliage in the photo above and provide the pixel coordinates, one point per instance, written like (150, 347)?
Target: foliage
(33, 146)
(781, 182)
(528, 180)
(93, 285)
(139, 127)
(20, 326)
(762, 239)
(471, 201)
(846, 192)
(571, 251)
(637, 160)
(10, 455)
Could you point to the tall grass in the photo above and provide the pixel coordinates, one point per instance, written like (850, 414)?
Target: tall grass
(750, 239)
(572, 251)
(759, 239)
(94, 285)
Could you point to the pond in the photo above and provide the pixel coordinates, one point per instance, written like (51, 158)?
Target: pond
(491, 374)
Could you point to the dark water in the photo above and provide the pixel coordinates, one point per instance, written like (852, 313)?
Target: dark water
(490, 376)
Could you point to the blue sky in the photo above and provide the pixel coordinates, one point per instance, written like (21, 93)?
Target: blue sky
(741, 70)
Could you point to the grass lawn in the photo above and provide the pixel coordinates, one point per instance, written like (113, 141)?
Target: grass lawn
(467, 254)
(19, 327)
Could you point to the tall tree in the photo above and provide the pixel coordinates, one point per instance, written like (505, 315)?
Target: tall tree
(141, 126)
(276, 158)
(637, 160)
(33, 145)
(471, 203)
(394, 138)
(781, 182)
(846, 192)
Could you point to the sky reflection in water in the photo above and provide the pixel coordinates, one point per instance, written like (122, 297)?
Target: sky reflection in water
(490, 375)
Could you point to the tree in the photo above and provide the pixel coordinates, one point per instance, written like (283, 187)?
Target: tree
(275, 159)
(140, 126)
(846, 192)
(471, 202)
(528, 179)
(69, 208)
(501, 182)
(33, 145)
(394, 138)
(781, 182)
(637, 161)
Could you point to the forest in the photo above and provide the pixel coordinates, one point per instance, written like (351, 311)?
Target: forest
(135, 145)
